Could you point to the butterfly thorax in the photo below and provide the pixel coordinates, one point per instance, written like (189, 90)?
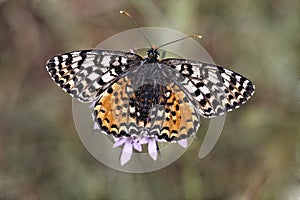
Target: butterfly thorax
(153, 55)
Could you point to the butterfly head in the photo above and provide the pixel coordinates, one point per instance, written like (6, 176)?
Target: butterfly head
(152, 54)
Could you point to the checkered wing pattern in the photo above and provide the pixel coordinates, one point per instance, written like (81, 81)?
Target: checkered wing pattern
(86, 74)
(151, 110)
(135, 96)
(217, 90)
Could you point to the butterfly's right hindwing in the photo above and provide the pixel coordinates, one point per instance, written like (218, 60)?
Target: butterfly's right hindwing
(86, 74)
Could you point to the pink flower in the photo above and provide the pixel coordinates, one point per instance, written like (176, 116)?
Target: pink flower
(136, 142)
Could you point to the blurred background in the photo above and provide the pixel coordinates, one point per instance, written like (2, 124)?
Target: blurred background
(257, 155)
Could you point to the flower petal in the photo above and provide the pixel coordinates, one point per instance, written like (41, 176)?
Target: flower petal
(119, 142)
(143, 140)
(96, 126)
(126, 153)
(152, 148)
(137, 146)
(183, 143)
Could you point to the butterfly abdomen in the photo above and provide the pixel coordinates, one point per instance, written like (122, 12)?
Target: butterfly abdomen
(144, 98)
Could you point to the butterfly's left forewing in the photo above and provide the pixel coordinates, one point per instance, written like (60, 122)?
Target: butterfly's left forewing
(217, 90)
(86, 74)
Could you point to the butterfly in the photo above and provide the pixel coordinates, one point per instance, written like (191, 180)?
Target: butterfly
(142, 98)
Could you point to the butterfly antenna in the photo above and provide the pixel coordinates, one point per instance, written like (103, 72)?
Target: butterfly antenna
(189, 36)
(136, 25)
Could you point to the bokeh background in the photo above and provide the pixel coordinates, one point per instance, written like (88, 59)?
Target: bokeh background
(257, 155)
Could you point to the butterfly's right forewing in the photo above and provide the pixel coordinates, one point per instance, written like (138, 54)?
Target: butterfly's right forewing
(86, 74)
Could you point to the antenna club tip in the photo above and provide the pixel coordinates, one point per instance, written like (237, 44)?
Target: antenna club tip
(197, 36)
(125, 13)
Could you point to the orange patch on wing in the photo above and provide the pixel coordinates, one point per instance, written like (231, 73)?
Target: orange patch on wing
(111, 107)
(179, 116)
(188, 116)
(104, 108)
(172, 117)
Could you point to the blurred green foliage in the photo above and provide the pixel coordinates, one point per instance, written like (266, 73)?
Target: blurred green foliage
(41, 156)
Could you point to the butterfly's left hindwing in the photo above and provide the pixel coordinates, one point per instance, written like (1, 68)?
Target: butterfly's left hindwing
(86, 74)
